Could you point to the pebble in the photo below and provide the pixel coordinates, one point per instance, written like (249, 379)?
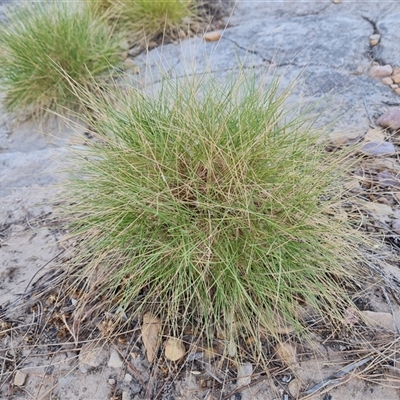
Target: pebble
(390, 119)
(125, 395)
(375, 134)
(396, 78)
(115, 360)
(396, 226)
(244, 372)
(378, 148)
(92, 354)
(174, 349)
(336, 1)
(294, 388)
(381, 319)
(128, 378)
(397, 91)
(394, 86)
(380, 71)
(374, 39)
(387, 81)
(212, 36)
(112, 382)
(19, 378)
(341, 138)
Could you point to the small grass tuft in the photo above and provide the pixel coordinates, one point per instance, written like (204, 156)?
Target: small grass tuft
(44, 37)
(143, 20)
(209, 203)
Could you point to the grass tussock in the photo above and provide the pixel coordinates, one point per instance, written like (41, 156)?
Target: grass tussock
(209, 203)
(143, 20)
(41, 39)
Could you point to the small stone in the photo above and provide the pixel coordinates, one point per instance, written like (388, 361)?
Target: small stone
(387, 179)
(375, 148)
(294, 388)
(396, 78)
(396, 226)
(394, 86)
(93, 354)
(212, 36)
(336, 1)
(374, 39)
(375, 134)
(397, 91)
(380, 71)
(387, 81)
(390, 119)
(128, 378)
(174, 349)
(244, 372)
(125, 395)
(341, 138)
(379, 319)
(112, 382)
(115, 360)
(129, 63)
(287, 353)
(19, 378)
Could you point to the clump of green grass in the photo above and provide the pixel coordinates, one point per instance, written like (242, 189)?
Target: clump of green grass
(209, 204)
(43, 38)
(143, 20)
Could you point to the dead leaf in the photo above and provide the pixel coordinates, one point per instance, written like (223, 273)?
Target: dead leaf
(150, 335)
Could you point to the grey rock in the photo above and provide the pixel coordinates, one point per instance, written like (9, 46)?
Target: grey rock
(244, 374)
(93, 354)
(390, 119)
(378, 148)
(388, 49)
(115, 360)
(20, 378)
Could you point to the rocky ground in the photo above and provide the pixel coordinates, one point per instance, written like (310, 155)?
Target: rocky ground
(349, 50)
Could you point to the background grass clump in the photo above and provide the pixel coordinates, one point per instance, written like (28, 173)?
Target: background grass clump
(143, 20)
(209, 204)
(41, 39)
